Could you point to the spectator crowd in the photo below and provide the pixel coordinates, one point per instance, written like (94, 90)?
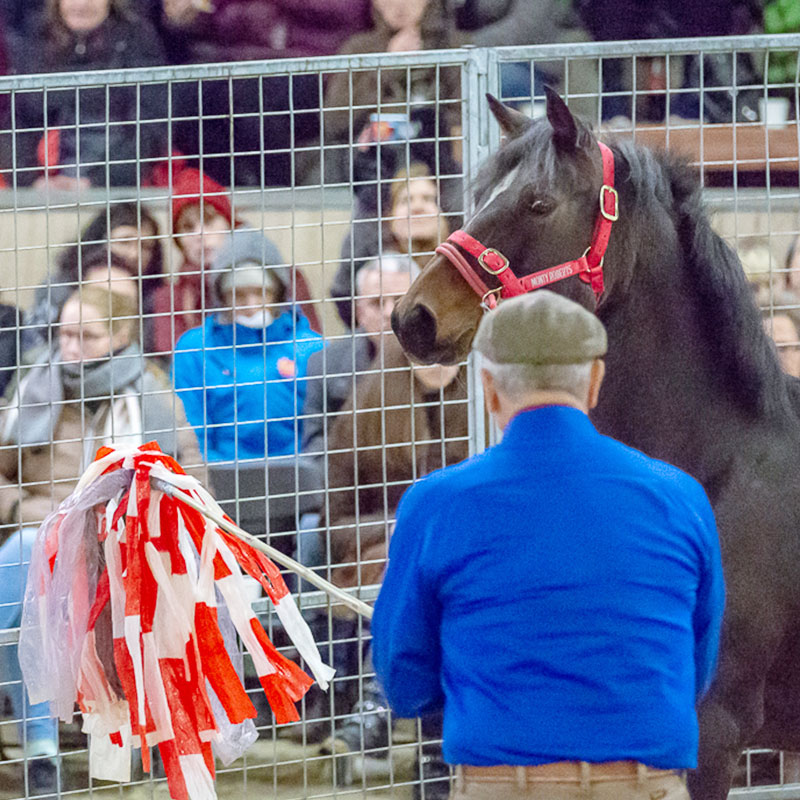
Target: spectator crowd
(224, 364)
(266, 129)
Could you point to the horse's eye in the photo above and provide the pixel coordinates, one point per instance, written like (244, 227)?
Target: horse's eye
(542, 206)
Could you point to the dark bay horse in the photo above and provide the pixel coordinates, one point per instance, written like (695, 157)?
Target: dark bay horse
(692, 379)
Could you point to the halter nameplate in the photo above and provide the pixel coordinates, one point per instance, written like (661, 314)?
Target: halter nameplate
(589, 267)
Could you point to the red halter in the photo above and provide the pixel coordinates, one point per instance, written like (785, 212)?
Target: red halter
(589, 267)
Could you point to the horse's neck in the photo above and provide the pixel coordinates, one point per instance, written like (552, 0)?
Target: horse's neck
(661, 394)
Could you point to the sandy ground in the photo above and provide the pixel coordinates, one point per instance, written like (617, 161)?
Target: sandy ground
(272, 768)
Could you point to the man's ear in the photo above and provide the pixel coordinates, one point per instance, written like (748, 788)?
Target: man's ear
(490, 397)
(596, 381)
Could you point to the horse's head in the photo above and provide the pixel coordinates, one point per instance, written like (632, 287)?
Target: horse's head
(537, 202)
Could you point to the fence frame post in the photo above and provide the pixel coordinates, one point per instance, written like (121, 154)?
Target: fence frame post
(480, 74)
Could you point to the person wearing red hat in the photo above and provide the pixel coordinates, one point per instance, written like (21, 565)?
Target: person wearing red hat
(202, 222)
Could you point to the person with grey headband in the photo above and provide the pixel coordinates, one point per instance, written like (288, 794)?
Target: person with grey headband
(241, 374)
(559, 596)
(92, 388)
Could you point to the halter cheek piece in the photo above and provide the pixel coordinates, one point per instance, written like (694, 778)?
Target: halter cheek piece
(589, 267)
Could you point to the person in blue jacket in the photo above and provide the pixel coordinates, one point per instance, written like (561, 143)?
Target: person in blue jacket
(560, 595)
(241, 374)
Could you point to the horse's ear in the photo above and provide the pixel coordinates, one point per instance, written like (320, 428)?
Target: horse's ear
(512, 122)
(565, 128)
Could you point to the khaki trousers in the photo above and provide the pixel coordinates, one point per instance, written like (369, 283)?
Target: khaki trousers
(569, 780)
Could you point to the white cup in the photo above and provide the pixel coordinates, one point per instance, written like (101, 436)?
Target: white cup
(774, 111)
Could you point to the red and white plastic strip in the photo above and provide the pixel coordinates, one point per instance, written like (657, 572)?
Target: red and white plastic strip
(148, 587)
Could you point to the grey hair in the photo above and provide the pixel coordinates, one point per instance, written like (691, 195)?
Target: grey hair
(387, 262)
(519, 381)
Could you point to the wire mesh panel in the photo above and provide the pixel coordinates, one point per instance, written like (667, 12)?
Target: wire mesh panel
(208, 257)
(172, 241)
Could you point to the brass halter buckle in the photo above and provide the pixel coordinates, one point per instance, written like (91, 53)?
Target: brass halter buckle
(612, 216)
(492, 251)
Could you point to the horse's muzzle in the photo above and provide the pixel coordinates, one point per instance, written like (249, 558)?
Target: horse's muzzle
(416, 332)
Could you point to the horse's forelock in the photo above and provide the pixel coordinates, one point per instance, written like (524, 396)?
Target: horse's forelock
(497, 167)
(544, 159)
(535, 151)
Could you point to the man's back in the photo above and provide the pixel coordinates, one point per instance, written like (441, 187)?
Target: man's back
(573, 584)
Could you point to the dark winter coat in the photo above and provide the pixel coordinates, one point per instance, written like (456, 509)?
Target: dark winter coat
(438, 32)
(119, 43)
(239, 30)
(644, 19)
(9, 344)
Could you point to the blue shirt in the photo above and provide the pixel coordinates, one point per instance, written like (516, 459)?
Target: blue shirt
(243, 388)
(560, 595)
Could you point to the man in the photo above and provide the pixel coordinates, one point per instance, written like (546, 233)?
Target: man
(332, 372)
(560, 595)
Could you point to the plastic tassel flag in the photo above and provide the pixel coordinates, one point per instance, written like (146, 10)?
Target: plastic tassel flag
(131, 610)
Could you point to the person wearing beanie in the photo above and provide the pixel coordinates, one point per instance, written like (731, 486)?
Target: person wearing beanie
(191, 189)
(560, 595)
(241, 374)
(202, 220)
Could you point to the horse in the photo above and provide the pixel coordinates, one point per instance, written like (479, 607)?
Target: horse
(692, 377)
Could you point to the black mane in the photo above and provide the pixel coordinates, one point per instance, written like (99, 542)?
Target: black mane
(730, 319)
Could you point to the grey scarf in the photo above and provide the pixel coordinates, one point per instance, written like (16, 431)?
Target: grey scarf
(32, 415)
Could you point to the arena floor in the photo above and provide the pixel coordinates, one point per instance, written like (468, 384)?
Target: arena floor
(279, 768)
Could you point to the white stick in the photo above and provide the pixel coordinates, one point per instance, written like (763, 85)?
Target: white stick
(359, 606)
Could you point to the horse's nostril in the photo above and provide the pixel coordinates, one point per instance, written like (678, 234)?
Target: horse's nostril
(416, 330)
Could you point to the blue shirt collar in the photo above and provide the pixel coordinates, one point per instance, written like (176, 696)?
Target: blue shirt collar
(552, 420)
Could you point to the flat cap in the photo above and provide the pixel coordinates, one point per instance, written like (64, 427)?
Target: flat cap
(540, 328)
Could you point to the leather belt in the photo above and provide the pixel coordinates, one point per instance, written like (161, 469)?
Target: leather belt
(568, 771)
